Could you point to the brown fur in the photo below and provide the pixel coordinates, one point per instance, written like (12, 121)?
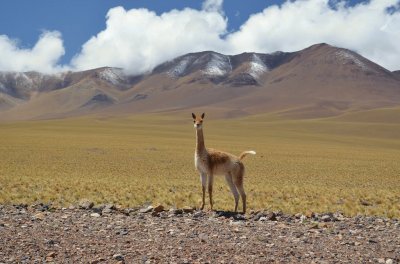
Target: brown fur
(210, 162)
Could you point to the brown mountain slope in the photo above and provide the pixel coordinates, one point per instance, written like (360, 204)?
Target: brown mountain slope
(319, 81)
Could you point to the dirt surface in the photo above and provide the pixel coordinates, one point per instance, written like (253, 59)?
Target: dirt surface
(105, 234)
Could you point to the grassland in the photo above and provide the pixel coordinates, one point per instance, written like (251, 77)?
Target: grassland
(319, 165)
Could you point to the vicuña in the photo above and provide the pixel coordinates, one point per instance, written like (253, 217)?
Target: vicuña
(210, 162)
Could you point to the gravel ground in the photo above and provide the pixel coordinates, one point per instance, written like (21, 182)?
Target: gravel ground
(105, 234)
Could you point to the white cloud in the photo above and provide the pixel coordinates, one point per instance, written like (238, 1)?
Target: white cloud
(42, 57)
(366, 28)
(139, 39)
(213, 5)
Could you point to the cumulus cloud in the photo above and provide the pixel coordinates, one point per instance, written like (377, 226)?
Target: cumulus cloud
(213, 5)
(42, 57)
(366, 28)
(139, 39)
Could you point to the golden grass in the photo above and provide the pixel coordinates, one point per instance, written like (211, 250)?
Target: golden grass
(318, 165)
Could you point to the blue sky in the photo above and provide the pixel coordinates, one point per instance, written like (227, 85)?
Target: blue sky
(75, 22)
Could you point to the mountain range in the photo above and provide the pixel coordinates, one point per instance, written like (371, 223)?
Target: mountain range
(319, 81)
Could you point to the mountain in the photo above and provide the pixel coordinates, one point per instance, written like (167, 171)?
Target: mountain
(318, 81)
(397, 74)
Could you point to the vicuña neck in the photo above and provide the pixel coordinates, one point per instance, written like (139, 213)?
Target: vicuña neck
(200, 147)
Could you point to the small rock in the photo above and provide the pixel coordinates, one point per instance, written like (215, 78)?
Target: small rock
(64, 216)
(198, 214)
(155, 214)
(39, 216)
(365, 202)
(271, 216)
(106, 211)
(326, 218)
(85, 204)
(203, 237)
(176, 211)
(148, 209)
(158, 208)
(96, 261)
(258, 216)
(118, 257)
(389, 261)
(51, 255)
(95, 215)
(322, 225)
(381, 260)
(309, 214)
(188, 209)
(303, 218)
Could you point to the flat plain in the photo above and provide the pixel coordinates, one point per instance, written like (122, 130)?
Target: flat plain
(348, 163)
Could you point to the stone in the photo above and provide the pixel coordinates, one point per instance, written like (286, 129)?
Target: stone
(147, 209)
(118, 257)
(176, 211)
(188, 209)
(51, 255)
(95, 215)
(158, 208)
(85, 204)
(389, 261)
(326, 218)
(381, 260)
(365, 202)
(309, 214)
(106, 211)
(155, 214)
(271, 216)
(203, 237)
(39, 216)
(198, 214)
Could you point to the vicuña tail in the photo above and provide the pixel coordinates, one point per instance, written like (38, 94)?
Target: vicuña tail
(244, 153)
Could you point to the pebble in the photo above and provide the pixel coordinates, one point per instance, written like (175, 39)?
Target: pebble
(146, 209)
(95, 215)
(118, 257)
(85, 204)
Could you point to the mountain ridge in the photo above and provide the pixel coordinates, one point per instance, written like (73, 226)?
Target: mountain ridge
(318, 81)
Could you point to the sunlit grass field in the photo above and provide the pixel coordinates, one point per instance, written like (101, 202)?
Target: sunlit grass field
(301, 165)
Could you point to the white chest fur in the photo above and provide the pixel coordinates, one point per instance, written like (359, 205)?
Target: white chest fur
(200, 162)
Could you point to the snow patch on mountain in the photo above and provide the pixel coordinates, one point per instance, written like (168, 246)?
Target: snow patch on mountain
(113, 75)
(257, 67)
(219, 65)
(181, 67)
(348, 57)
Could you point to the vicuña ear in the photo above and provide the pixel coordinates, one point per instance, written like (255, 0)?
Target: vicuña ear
(194, 116)
(202, 116)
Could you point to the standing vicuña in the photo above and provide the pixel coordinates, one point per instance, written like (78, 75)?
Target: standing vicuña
(210, 162)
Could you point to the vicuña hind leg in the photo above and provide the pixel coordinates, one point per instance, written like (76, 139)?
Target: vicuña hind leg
(228, 178)
(238, 181)
(243, 195)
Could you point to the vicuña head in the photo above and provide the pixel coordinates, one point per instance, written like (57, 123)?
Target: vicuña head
(198, 121)
(210, 162)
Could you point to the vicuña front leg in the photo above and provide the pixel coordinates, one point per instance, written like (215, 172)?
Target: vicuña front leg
(210, 189)
(203, 178)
